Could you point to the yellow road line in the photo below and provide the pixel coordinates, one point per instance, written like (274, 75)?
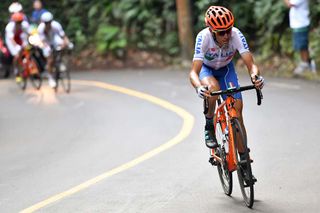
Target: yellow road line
(185, 130)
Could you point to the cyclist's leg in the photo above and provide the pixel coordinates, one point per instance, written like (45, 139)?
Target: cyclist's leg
(228, 79)
(47, 53)
(207, 78)
(15, 51)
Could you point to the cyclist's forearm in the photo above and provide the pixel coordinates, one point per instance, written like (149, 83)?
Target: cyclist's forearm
(194, 73)
(254, 70)
(194, 79)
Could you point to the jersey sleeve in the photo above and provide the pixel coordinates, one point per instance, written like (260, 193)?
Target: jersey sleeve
(240, 42)
(200, 45)
(41, 31)
(59, 29)
(26, 27)
(9, 30)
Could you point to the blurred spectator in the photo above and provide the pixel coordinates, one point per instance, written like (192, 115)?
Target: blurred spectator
(37, 12)
(299, 23)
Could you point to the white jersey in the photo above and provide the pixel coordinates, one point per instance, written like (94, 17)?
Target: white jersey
(299, 14)
(56, 30)
(11, 30)
(14, 36)
(207, 50)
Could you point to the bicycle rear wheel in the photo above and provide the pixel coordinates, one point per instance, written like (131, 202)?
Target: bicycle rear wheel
(244, 169)
(35, 76)
(224, 174)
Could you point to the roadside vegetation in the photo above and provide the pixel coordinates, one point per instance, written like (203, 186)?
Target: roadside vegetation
(118, 29)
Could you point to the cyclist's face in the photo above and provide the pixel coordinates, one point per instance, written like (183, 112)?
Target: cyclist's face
(223, 37)
(48, 25)
(18, 24)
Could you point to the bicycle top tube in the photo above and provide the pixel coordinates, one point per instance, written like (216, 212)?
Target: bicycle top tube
(233, 90)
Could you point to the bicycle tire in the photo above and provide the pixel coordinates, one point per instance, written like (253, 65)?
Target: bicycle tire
(63, 78)
(23, 83)
(245, 179)
(225, 175)
(35, 76)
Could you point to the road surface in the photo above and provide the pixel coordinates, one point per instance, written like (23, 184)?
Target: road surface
(89, 151)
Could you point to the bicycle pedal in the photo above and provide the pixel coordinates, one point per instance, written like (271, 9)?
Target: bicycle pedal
(244, 162)
(212, 161)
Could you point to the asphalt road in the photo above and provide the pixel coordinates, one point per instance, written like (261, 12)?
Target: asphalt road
(51, 143)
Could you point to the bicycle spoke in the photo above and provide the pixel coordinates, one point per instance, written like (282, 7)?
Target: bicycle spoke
(244, 165)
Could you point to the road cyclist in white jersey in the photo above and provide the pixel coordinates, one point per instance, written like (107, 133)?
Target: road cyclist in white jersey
(16, 38)
(53, 36)
(212, 67)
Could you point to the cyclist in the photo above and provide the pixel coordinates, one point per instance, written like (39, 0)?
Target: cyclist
(52, 35)
(212, 67)
(16, 35)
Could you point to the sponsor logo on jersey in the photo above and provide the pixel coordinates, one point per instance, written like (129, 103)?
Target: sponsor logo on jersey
(243, 40)
(213, 55)
(198, 44)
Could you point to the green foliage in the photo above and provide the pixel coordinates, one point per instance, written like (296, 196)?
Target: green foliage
(113, 25)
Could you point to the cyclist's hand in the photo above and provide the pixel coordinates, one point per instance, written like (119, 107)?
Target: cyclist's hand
(258, 81)
(203, 91)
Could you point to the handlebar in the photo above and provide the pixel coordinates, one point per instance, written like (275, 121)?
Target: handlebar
(240, 89)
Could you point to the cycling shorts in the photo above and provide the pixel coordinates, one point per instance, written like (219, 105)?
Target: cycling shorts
(56, 41)
(224, 76)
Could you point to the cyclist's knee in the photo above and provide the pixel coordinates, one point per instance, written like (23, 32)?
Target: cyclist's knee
(239, 105)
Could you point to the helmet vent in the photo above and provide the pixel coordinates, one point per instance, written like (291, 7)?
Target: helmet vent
(224, 21)
(228, 17)
(219, 21)
(213, 21)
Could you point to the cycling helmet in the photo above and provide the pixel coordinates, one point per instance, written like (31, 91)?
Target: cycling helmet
(46, 17)
(219, 18)
(17, 17)
(15, 7)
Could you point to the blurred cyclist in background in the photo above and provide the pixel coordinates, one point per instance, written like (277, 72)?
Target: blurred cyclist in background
(16, 38)
(212, 67)
(299, 23)
(16, 7)
(37, 12)
(52, 36)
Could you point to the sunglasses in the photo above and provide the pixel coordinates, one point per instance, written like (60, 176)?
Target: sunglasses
(222, 33)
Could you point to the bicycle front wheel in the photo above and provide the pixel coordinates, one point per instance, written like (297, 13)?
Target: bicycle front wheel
(63, 78)
(224, 174)
(244, 169)
(21, 78)
(35, 76)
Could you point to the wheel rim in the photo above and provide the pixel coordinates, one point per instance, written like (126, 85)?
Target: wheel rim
(224, 174)
(246, 183)
(65, 81)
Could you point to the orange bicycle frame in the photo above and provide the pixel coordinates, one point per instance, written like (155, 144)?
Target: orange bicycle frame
(225, 120)
(28, 66)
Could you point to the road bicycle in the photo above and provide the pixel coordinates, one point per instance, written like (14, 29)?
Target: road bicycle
(28, 68)
(232, 141)
(60, 68)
